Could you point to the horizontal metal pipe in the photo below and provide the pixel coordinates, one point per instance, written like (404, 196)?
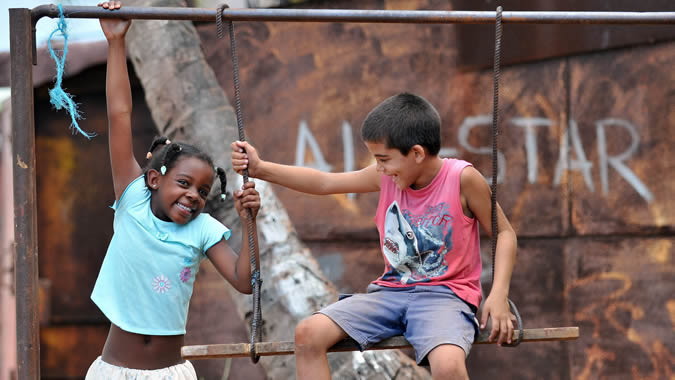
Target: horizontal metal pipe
(354, 15)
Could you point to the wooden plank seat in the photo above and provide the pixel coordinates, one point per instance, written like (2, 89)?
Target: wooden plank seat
(236, 350)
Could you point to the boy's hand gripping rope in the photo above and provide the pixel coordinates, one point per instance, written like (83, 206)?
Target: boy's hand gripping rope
(493, 185)
(256, 279)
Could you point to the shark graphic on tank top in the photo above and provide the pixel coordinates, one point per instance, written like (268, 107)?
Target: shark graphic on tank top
(425, 237)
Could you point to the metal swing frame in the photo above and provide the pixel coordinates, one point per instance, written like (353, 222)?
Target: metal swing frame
(23, 55)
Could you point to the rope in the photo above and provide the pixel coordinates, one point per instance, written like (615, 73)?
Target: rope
(256, 279)
(57, 96)
(493, 185)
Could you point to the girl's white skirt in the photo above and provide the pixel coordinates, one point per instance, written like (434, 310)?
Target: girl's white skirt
(102, 370)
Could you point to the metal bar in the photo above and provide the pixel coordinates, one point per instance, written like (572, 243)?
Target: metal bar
(25, 213)
(240, 350)
(354, 15)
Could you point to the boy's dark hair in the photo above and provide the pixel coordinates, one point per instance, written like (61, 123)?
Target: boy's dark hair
(170, 152)
(402, 121)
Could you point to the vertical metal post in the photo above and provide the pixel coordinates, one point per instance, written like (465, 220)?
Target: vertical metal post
(25, 212)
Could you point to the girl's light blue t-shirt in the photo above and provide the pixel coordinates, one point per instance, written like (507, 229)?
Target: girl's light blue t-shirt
(147, 276)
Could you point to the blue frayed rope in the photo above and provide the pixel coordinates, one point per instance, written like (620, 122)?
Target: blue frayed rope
(59, 98)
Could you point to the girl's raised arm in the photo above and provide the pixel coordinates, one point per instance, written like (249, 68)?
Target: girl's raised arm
(125, 168)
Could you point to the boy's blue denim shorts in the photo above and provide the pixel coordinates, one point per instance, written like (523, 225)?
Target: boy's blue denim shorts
(427, 316)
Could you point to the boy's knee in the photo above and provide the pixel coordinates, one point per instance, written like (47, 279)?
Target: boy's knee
(316, 334)
(307, 334)
(452, 369)
(303, 331)
(448, 362)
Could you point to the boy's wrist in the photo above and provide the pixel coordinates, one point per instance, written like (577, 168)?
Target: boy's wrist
(116, 41)
(497, 292)
(261, 170)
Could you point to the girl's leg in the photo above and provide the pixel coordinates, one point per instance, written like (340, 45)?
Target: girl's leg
(448, 362)
(313, 337)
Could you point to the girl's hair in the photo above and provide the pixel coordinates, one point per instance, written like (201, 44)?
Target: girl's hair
(164, 153)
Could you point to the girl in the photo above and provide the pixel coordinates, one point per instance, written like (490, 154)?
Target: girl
(160, 236)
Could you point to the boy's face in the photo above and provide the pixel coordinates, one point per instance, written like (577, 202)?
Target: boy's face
(403, 170)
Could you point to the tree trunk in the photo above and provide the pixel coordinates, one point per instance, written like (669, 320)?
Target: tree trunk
(187, 104)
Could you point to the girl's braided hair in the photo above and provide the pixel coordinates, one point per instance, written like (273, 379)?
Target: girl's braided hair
(164, 153)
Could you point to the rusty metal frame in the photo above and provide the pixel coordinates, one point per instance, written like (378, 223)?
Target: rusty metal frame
(22, 53)
(359, 15)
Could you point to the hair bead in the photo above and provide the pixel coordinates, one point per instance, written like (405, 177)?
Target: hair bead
(223, 183)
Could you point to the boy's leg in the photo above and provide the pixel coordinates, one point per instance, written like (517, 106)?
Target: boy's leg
(448, 361)
(313, 337)
(366, 318)
(441, 327)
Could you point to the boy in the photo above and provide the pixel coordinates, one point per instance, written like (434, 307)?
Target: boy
(427, 218)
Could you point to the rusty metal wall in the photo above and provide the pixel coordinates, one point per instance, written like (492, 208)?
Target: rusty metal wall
(526, 43)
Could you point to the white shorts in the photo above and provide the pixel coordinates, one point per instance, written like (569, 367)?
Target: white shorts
(102, 370)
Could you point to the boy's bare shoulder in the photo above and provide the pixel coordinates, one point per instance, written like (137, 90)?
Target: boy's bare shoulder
(471, 178)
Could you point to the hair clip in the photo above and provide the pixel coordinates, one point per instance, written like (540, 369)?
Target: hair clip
(223, 196)
(148, 156)
(162, 170)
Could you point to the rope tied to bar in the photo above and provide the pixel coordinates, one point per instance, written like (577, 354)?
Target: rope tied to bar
(59, 98)
(256, 278)
(493, 186)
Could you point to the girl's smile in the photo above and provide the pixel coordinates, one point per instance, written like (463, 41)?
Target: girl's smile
(179, 196)
(186, 209)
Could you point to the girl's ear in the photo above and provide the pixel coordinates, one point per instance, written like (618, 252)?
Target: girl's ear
(419, 152)
(152, 179)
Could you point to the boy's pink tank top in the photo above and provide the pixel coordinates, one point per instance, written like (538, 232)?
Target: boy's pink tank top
(425, 237)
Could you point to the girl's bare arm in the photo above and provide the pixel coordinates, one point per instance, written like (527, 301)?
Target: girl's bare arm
(125, 168)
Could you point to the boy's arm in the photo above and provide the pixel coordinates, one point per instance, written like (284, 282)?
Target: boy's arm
(125, 168)
(306, 180)
(476, 192)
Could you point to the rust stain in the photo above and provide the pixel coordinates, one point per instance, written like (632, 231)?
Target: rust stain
(660, 252)
(346, 204)
(20, 163)
(656, 210)
(663, 363)
(609, 311)
(590, 313)
(520, 204)
(636, 313)
(596, 362)
(543, 103)
(57, 221)
(627, 282)
(670, 306)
